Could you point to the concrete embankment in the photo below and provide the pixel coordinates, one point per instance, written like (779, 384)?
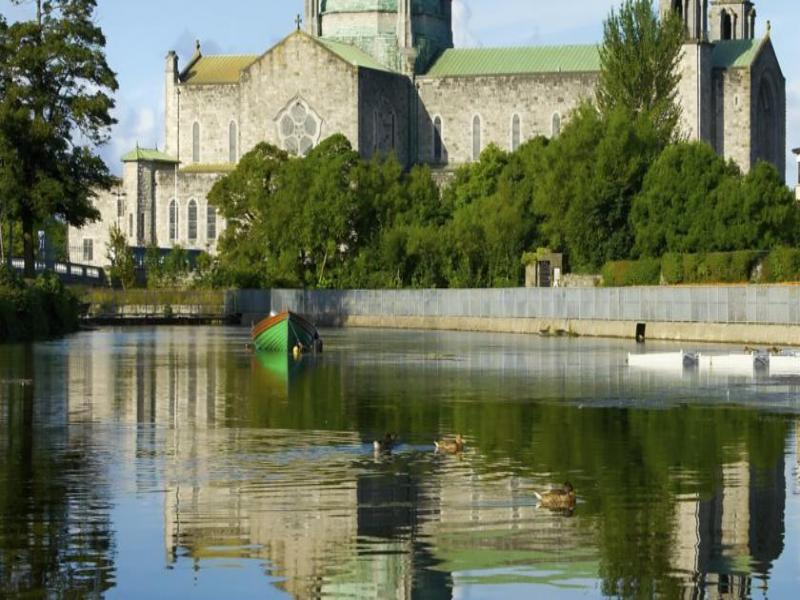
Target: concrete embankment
(746, 314)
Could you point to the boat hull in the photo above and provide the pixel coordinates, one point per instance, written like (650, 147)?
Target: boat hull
(283, 332)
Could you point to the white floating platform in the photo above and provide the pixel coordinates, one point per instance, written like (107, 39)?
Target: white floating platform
(732, 363)
(784, 365)
(663, 360)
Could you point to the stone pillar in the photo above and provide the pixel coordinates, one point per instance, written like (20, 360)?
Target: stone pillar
(171, 103)
(312, 18)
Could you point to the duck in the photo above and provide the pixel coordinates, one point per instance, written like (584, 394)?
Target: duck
(558, 498)
(386, 444)
(452, 446)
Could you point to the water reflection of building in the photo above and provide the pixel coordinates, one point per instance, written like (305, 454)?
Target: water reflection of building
(166, 380)
(723, 542)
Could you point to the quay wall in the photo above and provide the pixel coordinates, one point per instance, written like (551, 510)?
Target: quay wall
(748, 314)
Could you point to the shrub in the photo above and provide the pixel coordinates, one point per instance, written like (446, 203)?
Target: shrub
(782, 264)
(646, 271)
(672, 268)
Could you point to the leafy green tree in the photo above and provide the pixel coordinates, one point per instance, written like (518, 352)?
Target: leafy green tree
(176, 266)
(120, 256)
(54, 110)
(153, 266)
(639, 65)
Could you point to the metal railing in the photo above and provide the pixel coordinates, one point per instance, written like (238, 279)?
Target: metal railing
(67, 272)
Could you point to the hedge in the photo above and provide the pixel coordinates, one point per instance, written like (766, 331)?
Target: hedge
(780, 265)
(42, 309)
(646, 271)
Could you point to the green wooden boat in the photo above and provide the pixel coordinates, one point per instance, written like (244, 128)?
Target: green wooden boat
(281, 333)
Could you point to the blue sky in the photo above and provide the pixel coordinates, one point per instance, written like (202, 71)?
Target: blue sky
(140, 32)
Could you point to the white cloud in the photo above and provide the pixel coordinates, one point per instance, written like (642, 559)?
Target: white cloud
(462, 34)
(135, 126)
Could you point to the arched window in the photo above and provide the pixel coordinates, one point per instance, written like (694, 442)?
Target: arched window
(767, 130)
(196, 143)
(437, 140)
(192, 220)
(233, 143)
(726, 26)
(556, 127)
(476, 138)
(516, 133)
(211, 223)
(173, 221)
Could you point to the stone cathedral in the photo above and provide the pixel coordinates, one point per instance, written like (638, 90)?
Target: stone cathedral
(385, 74)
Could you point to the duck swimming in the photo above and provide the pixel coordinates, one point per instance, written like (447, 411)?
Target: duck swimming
(386, 444)
(452, 446)
(559, 498)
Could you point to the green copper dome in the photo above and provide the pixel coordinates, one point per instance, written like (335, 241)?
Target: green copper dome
(429, 7)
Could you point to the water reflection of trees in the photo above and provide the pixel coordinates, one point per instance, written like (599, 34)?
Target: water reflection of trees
(55, 531)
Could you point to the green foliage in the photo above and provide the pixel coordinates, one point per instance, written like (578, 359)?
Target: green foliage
(40, 310)
(639, 65)
(175, 267)
(55, 109)
(120, 256)
(782, 264)
(693, 201)
(632, 272)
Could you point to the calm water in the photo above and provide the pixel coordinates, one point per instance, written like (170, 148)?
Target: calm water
(173, 463)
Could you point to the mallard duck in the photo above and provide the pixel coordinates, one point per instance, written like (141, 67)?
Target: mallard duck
(558, 498)
(386, 444)
(452, 446)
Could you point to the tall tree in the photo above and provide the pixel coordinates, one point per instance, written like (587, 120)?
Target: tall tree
(639, 65)
(55, 110)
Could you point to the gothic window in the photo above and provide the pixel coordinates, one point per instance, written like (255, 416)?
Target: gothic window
(211, 223)
(299, 127)
(726, 27)
(437, 140)
(476, 138)
(555, 130)
(768, 124)
(196, 143)
(88, 250)
(173, 221)
(516, 133)
(120, 206)
(233, 152)
(191, 220)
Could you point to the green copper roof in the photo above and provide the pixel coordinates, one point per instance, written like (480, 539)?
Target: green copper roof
(516, 61)
(732, 54)
(148, 154)
(217, 69)
(352, 55)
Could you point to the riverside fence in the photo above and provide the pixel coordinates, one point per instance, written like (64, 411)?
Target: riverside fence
(733, 305)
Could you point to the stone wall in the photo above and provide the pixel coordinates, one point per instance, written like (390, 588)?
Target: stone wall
(695, 91)
(190, 186)
(755, 314)
(213, 107)
(298, 68)
(457, 100)
(385, 105)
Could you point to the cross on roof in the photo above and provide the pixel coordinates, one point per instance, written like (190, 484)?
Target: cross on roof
(298, 21)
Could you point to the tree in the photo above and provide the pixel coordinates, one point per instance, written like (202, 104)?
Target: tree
(639, 65)
(54, 111)
(120, 256)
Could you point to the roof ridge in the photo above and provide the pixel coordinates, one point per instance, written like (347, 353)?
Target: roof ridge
(547, 46)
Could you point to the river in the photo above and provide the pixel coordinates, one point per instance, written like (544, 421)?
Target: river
(172, 462)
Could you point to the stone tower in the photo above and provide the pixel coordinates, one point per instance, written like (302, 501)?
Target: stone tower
(403, 35)
(732, 20)
(695, 88)
(694, 13)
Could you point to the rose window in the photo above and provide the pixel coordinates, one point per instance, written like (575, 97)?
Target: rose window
(299, 127)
